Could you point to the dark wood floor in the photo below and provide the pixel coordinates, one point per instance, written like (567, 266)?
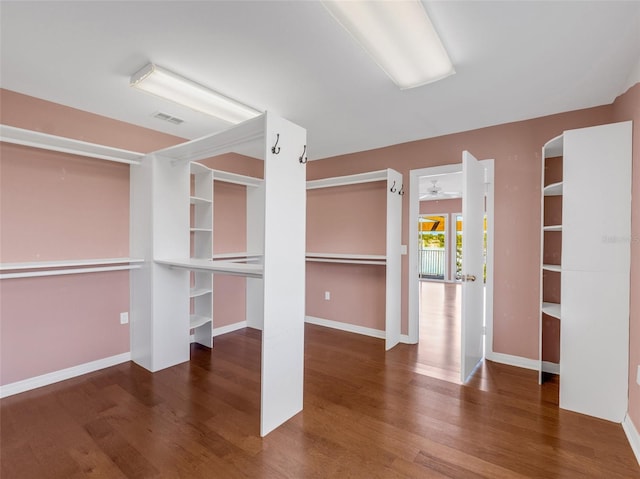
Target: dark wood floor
(366, 414)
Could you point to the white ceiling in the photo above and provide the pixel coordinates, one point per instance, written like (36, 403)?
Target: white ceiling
(514, 60)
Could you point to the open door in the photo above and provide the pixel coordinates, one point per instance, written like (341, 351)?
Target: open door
(472, 327)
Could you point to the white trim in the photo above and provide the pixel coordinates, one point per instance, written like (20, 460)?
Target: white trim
(350, 328)
(517, 361)
(551, 368)
(229, 328)
(61, 375)
(632, 435)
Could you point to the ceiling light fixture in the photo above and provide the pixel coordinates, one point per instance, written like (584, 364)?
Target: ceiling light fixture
(398, 35)
(170, 86)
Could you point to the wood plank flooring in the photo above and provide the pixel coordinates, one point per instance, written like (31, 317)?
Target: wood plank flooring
(366, 414)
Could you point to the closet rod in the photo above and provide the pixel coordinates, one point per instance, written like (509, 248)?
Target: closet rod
(60, 272)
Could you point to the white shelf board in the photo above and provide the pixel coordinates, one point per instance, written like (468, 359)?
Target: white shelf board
(554, 189)
(195, 292)
(201, 230)
(196, 200)
(368, 177)
(237, 179)
(195, 321)
(222, 267)
(554, 147)
(347, 258)
(552, 267)
(71, 263)
(237, 256)
(552, 228)
(552, 309)
(245, 138)
(199, 169)
(36, 139)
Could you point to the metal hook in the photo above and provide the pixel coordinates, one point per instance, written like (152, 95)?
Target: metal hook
(401, 192)
(275, 149)
(303, 159)
(393, 187)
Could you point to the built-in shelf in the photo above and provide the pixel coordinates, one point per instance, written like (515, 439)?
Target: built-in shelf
(552, 228)
(222, 267)
(554, 189)
(367, 177)
(237, 179)
(200, 230)
(195, 292)
(196, 321)
(552, 267)
(552, 309)
(347, 258)
(237, 257)
(32, 269)
(44, 141)
(195, 200)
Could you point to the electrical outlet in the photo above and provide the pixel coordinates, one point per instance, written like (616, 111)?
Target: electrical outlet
(327, 295)
(124, 318)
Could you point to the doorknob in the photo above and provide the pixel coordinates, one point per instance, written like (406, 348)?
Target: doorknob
(468, 277)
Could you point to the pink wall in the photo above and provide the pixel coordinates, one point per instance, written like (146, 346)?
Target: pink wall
(516, 148)
(627, 107)
(57, 206)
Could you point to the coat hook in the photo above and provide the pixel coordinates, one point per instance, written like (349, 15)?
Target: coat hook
(393, 187)
(303, 159)
(401, 192)
(275, 149)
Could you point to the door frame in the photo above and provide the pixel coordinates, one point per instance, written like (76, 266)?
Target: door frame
(414, 212)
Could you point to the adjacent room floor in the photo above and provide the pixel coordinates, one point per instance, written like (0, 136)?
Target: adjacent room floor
(366, 414)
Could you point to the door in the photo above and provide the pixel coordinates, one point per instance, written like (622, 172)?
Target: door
(472, 323)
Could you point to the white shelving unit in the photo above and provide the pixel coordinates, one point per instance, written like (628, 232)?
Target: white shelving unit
(593, 306)
(161, 229)
(391, 260)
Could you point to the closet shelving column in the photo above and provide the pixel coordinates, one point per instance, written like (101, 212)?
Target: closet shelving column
(594, 267)
(160, 212)
(201, 291)
(551, 247)
(391, 260)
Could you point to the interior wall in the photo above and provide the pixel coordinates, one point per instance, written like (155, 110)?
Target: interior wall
(627, 107)
(516, 148)
(56, 206)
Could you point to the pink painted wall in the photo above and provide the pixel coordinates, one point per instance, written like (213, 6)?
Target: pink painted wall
(627, 107)
(58, 206)
(516, 148)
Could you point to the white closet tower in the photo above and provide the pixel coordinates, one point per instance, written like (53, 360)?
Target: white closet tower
(585, 279)
(174, 275)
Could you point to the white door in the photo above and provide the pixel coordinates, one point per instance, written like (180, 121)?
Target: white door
(472, 351)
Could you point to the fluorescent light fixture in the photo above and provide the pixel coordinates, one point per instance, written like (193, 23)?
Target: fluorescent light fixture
(398, 35)
(170, 86)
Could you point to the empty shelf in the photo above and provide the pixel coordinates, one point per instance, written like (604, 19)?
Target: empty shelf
(552, 267)
(196, 321)
(222, 267)
(347, 258)
(553, 228)
(195, 292)
(554, 189)
(552, 309)
(195, 200)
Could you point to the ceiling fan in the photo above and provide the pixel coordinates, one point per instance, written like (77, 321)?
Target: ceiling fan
(435, 191)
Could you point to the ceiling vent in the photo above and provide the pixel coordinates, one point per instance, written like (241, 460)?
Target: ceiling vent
(166, 117)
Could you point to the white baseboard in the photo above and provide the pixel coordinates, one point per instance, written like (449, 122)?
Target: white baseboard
(632, 435)
(551, 368)
(229, 328)
(517, 361)
(61, 375)
(352, 328)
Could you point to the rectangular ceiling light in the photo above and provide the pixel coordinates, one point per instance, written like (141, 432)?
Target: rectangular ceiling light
(398, 35)
(170, 86)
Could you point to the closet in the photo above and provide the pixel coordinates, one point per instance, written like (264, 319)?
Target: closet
(172, 228)
(585, 263)
(344, 241)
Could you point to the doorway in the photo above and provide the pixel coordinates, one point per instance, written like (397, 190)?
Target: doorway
(440, 299)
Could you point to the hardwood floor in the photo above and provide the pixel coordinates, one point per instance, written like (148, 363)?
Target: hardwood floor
(438, 352)
(366, 414)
